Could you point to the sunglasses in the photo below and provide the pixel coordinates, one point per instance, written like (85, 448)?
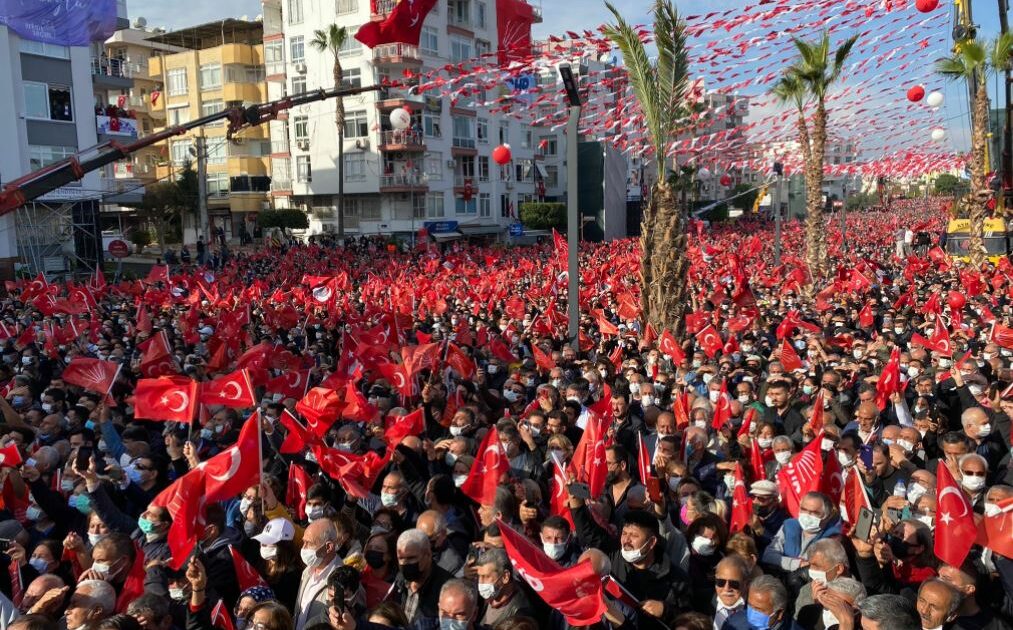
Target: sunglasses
(732, 584)
(971, 473)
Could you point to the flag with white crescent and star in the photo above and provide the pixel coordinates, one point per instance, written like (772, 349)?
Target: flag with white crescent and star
(955, 527)
(232, 390)
(168, 398)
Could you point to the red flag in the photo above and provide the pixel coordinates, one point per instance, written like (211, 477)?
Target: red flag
(722, 408)
(889, 380)
(238, 467)
(399, 378)
(298, 438)
(756, 460)
(418, 358)
(996, 531)
(246, 575)
(133, 586)
(157, 359)
(490, 466)
(865, 317)
(576, 592)
(92, 374)
(855, 497)
(742, 505)
(955, 528)
(321, 407)
(709, 340)
(401, 427)
(460, 361)
(295, 493)
(10, 457)
(220, 617)
(17, 586)
(542, 360)
(668, 345)
(513, 25)
(231, 390)
(789, 358)
(802, 474)
(357, 407)
(832, 479)
(183, 501)
(588, 461)
(816, 421)
(291, 384)
(1002, 335)
(643, 459)
(557, 504)
(169, 398)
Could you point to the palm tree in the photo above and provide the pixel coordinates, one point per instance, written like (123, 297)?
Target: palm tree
(975, 62)
(806, 82)
(661, 88)
(333, 38)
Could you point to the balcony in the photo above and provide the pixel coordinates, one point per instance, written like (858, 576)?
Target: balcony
(392, 98)
(401, 141)
(407, 182)
(397, 55)
(280, 146)
(116, 126)
(380, 9)
(281, 186)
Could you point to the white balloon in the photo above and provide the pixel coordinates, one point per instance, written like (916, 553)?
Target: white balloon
(938, 135)
(934, 99)
(400, 119)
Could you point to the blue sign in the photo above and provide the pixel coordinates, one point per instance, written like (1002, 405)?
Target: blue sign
(516, 229)
(440, 227)
(61, 22)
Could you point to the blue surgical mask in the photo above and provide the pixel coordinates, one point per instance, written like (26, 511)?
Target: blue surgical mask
(757, 620)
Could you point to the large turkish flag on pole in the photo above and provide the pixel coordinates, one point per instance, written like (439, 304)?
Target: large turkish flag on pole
(955, 528)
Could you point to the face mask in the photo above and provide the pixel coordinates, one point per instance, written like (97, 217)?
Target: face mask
(80, 502)
(411, 572)
(744, 399)
(634, 555)
(39, 565)
(673, 483)
(315, 512)
(244, 505)
(729, 481)
(459, 480)
(714, 395)
(975, 390)
(554, 550)
(47, 407)
(973, 484)
(913, 371)
(487, 591)
(177, 594)
(19, 401)
(309, 557)
(700, 424)
(945, 363)
(249, 528)
(808, 390)
(146, 526)
(857, 353)
(374, 558)
(94, 538)
(817, 576)
(133, 474)
(206, 434)
(845, 460)
(809, 522)
(768, 401)
(492, 368)
(646, 400)
(984, 430)
(33, 513)
(906, 445)
(703, 545)
(450, 458)
(268, 551)
(697, 363)
(452, 624)
(829, 620)
(915, 492)
(510, 395)
(756, 619)
(826, 444)
(634, 388)
(101, 568)
(765, 442)
(783, 457)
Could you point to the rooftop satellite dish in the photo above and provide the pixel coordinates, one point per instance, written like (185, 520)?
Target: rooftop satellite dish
(140, 22)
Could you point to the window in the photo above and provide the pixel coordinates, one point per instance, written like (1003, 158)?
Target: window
(303, 170)
(347, 6)
(295, 12)
(434, 205)
(459, 12)
(176, 80)
(238, 73)
(301, 124)
(480, 14)
(483, 168)
(44, 49)
(274, 57)
(482, 47)
(297, 49)
(460, 49)
(547, 144)
(179, 152)
(178, 115)
(464, 207)
(41, 155)
(298, 84)
(48, 102)
(430, 41)
(369, 208)
(351, 45)
(464, 132)
(355, 167)
(431, 122)
(434, 166)
(526, 143)
(484, 205)
(551, 176)
(216, 151)
(211, 76)
(351, 78)
(482, 127)
(218, 184)
(356, 125)
(213, 107)
(504, 132)
(465, 170)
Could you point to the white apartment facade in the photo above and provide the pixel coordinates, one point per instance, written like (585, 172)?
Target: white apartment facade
(440, 170)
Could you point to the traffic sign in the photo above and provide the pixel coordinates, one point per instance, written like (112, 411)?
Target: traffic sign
(516, 229)
(119, 249)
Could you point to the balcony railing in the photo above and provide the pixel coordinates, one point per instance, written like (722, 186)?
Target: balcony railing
(464, 143)
(461, 180)
(406, 137)
(404, 179)
(396, 51)
(113, 126)
(281, 185)
(279, 146)
(381, 7)
(122, 68)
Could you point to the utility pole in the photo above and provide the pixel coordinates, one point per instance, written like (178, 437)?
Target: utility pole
(1007, 132)
(572, 206)
(775, 205)
(844, 214)
(202, 188)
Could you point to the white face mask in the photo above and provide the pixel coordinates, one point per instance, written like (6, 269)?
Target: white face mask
(984, 430)
(646, 400)
(928, 520)
(783, 457)
(974, 484)
(913, 371)
(456, 431)
(388, 499)
(906, 445)
(992, 509)
(703, 545)
(844, 460)
(765, 442)
(101, 568)
(915, 491)
(554, 550)
(826, 444)
(633, 555)
(700, 424)
(945, 363)
(768, 401)
(309, 557)
(459, 480)
(729, 481)
(177, 594)
(829, 619)
(744, 399)
(487, 591)
(809, 522)
(714, 395)
(94, 538)
(268, 551)
(817, 576)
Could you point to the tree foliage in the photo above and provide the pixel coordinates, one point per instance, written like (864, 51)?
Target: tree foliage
(746, 201)
(543, 215)
(288, 219)
(947, 184)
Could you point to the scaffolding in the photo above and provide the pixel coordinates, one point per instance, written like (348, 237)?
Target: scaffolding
(59, 238)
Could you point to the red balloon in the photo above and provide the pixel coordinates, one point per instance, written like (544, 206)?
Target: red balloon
(726, 180)
(502, 155)
(916, 94)
(956, 300)
(926, 6)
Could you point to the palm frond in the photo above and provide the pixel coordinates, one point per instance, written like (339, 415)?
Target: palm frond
(973, 53)
(953, 67)
(673, 65)
(841, 56)
(1002, 52)
(320, 41)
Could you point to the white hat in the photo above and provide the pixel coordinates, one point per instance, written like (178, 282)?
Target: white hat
(763, 487)
(276, 530)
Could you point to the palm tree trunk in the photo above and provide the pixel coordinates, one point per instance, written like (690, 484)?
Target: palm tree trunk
(977, 211)
(339, 120)
(816, 244)
(664, 265)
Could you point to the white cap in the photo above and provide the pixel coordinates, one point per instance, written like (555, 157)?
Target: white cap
(762, 487)
(275, 531)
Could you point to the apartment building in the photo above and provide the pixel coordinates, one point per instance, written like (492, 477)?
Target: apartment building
(221, 65)
(46, 115)
(440, 169)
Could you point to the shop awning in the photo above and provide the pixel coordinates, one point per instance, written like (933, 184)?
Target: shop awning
(446, 236)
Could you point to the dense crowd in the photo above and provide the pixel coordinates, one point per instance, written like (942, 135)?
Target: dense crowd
(409, 440)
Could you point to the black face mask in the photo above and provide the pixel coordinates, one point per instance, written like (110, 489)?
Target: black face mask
(374, 559)
(898, 547)
(411, 572)
(612, 477)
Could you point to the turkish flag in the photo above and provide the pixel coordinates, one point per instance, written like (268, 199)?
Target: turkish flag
(996, 532)
(1002, 335)
(399, 378)
(357, 407)
(669, 346)
(232, 390)
(865, 317)
(709, 341)
(220, 617)
(832, 479)
(246, 575)
(576, 592)
(789, 358)
(557, 503)
(460, 361)
(855, 496)
(321, 407)
(183, 500)
(802, 474)
(157, 359)
(238, 467)
(298, 437)
(643, 459)
(588, 461)
(291, 384)
(542, 360)
(742, 505)
(94, 375)
(401, 427)
(10, 457)
(722, 408)
(955, 528)
(133, 585)
(756, 460)
(169, 398)
(490, 466)
(889, 380)
(356, 474)
(501, 351)
(295, 492)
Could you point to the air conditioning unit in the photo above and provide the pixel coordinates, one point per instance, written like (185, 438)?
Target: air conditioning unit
(451, 163)
(362, 143)
(303, 145)
(300, 68)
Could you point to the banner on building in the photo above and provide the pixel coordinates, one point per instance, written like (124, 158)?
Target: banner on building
(60, 22)
(513, 24)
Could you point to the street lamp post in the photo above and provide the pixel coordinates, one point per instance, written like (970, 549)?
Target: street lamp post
(573, 224)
